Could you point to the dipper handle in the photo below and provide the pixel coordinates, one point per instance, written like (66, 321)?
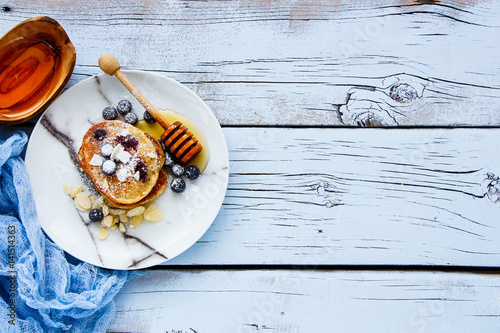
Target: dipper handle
(110, 65)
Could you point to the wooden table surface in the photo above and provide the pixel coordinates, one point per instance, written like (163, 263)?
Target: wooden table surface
(327, 226)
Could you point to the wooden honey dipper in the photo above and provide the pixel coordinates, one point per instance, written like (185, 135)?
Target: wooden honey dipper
(177, 138)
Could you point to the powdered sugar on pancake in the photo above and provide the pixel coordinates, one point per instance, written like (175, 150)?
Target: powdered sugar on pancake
(138, 161)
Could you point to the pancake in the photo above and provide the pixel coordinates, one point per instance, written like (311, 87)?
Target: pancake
(159, 188)
(138, 156)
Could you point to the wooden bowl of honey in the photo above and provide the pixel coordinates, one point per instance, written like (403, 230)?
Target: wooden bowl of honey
(36, 61)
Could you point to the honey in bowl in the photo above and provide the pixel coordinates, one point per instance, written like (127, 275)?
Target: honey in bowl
(155, 129)
(36, 61)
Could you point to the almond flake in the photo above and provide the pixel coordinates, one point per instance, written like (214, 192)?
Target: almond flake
(82, 200)
(107, 221)
(122, 228)
(103, 234)
(116, 211)
(136, 221)
(76, 190)
(67, 189)
(152, 213)
(136, 211)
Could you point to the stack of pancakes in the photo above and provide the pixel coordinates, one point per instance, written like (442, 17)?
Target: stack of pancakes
(139, 176)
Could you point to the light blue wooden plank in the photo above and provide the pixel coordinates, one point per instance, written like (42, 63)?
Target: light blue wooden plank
(299, 62)
(284, 301)
(357, 196)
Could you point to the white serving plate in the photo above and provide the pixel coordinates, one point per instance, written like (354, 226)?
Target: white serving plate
(52, 162)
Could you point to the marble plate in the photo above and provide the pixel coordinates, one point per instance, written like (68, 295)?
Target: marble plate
(52, 161)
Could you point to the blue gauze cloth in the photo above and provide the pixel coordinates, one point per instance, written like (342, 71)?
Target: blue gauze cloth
(42, 291)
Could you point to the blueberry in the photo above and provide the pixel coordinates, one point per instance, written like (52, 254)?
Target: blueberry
(96, 215)
(169, 159)
(162, 144)
(108, 167)
(124, 106)
(148, 117)
(106, 150)
(109, 113)
(178, 185)
(131, 118)
(192, 172)
(177, 169)
(99, 134)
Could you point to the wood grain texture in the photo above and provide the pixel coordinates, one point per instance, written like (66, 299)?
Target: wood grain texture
(377, 63)
(356, 196)
(281, 301)
(321, 196)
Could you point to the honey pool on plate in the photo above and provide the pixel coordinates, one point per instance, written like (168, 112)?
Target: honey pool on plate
(201, 160)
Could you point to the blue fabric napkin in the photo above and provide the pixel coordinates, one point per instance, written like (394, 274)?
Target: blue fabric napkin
(41, 291)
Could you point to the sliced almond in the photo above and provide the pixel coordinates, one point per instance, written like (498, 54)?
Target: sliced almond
(107, 221)
(97, 202)
(136, 211)
(80, 208)
(103, 234)
(76, 190)
(136, 221)
(67, 189)
(152, 213)
(83, 200)
(122, 228)
(114, 211)
(105, 210)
